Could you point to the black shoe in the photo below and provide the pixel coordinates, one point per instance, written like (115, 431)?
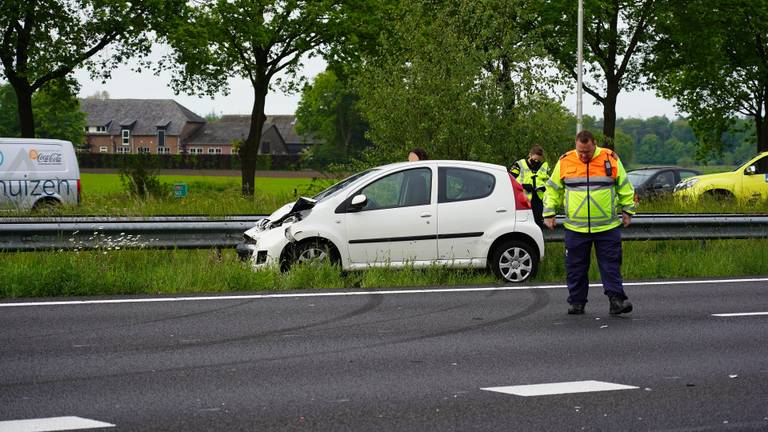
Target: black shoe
(576, 309)
(619, 306)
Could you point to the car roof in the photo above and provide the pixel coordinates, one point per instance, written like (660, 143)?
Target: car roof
(475, 164)
(659, 168)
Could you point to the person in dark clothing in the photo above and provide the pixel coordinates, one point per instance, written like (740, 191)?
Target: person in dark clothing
(533, 173)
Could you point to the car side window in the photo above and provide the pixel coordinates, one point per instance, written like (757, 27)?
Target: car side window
(407, 188)
(664, 179)
(761, 165)
(462, 184)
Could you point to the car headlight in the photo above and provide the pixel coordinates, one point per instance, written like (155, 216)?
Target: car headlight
(685, 184)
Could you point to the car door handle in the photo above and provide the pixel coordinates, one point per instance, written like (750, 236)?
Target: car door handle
(501, 210)
(426, 215)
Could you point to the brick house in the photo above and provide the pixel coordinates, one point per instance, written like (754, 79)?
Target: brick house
(162, 126)
(278, 136)
(157, 126)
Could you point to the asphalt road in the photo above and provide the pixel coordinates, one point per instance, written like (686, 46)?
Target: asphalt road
(407, 361)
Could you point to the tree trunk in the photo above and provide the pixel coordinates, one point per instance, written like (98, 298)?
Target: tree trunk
(609, 114)
(24, 102)
(250, 148)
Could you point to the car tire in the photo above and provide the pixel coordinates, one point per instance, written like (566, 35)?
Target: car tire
(46, 205)
(718, 196)
(514, 261)
(312, 252)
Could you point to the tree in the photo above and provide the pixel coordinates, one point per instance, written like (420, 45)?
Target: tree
(328, 110)
(56, 111)
(711, 56)
(616, 34)
(263, 41)
(462, 80)
(45, 40)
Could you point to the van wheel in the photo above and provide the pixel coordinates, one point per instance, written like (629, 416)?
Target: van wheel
(514, 261)
(46, 205)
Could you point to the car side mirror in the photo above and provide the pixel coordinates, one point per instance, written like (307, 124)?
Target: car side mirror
(358, 202)
(750, 170)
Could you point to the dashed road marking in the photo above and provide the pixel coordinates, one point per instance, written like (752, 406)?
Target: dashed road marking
(51, 424)
(740, 314)
(559, 388)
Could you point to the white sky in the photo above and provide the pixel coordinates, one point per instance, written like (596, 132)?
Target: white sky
(126, 84)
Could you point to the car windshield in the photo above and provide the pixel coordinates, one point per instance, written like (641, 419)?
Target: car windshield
(639, 177)
(341, 185)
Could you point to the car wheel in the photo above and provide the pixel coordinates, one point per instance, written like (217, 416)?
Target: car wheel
(514, 261)
(314, 252)
(719, 196)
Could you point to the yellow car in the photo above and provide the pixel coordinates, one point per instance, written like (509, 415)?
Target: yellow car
(748, 183)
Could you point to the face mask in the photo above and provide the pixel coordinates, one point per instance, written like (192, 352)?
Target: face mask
(534, 164)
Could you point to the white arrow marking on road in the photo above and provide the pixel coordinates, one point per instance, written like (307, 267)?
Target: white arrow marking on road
(51, 424)
(559, 388)
(358, 293)
(740, 314)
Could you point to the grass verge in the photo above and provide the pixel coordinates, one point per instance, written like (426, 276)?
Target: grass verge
(124, 272)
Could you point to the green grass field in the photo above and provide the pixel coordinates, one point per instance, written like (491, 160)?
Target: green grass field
(53, 274)
(109, 184)
(104, 195)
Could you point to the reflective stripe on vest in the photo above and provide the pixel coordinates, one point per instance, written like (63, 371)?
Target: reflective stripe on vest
(590, 192)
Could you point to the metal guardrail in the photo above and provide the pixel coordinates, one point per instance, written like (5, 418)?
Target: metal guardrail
(193, 232)
(115, 233)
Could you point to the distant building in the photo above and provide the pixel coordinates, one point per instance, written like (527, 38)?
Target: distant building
(162, 126)
(157, 126)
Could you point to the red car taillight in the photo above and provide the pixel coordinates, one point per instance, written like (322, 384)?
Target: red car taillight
(79, 190)
(521, 200)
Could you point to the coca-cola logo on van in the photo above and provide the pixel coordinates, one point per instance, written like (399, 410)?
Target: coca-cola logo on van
(46, 157)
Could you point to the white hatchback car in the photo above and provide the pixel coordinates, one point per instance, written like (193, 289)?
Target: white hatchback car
(452, 213)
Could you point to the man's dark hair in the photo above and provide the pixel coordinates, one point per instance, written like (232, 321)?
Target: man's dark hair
(420, 153)
(537, 150)
(585, 136)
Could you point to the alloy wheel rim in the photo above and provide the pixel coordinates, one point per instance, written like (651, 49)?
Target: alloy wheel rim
(312, 254)
(515, 264)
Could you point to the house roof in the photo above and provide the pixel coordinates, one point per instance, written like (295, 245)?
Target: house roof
(230, 128)
(142, 116)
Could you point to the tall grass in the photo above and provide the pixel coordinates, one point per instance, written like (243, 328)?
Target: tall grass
(90, 273)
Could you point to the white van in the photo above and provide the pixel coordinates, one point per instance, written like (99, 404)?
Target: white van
(36, 173)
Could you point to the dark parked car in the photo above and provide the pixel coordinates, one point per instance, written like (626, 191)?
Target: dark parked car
(652, 182)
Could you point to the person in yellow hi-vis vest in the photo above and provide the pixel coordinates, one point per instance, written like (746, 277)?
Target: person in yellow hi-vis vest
(590, 183)
(532, 173)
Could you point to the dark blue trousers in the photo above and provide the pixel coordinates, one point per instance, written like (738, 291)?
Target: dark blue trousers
(578, 250)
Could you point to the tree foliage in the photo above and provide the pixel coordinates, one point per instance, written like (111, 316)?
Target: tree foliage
(462, 81)
(712, 58)
(616, 36)
(328, 110)
(263, 41)
(56, 110)
(45, 40)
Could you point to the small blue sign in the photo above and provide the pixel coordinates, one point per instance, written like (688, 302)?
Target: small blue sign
(180, 190)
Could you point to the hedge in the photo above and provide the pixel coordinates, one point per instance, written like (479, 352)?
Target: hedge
(186, 161)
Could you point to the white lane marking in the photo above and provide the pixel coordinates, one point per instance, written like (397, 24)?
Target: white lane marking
(559, 388)
(740, 314)
(362, 293)
(51, 424)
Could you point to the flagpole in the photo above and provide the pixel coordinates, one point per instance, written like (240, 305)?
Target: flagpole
(580, 61)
